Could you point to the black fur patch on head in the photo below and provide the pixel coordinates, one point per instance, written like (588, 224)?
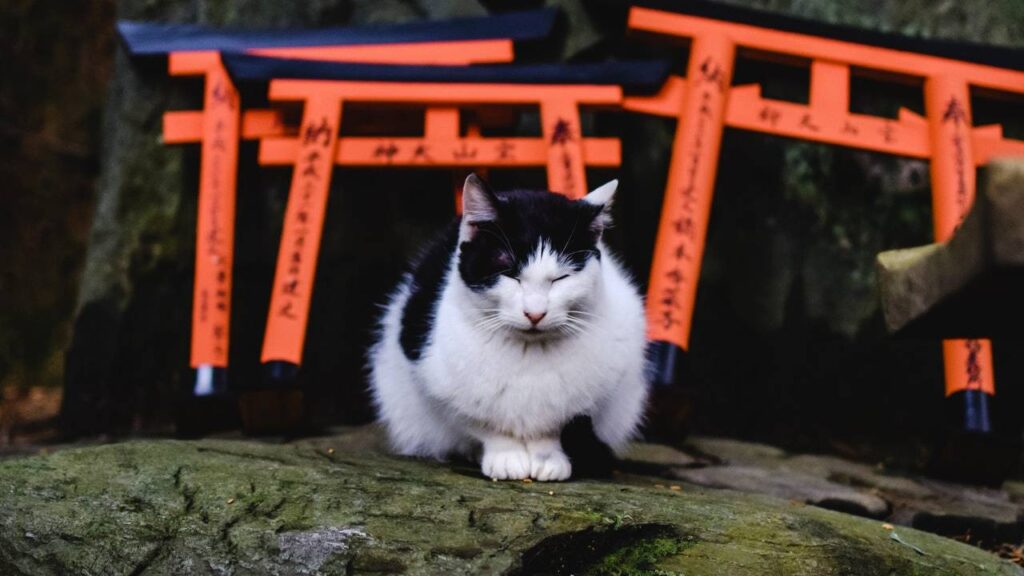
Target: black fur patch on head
(525, 218)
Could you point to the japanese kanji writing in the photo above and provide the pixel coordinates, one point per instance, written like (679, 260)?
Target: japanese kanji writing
(561, 136)
(973, 365)
(955, 114)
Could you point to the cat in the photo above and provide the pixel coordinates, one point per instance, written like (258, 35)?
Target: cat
(514, 322)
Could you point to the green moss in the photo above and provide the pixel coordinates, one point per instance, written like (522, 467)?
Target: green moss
(638, 559)
(242, 507)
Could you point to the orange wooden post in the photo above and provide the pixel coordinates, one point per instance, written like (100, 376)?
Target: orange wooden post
(679, 247)
(215, 223)
(300, 238)
(560, 121)
(215, 226)
(442, 123)
(968, 363)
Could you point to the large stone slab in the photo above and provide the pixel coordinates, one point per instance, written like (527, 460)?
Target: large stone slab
(336, 505)
(970, 286)
(985, 516)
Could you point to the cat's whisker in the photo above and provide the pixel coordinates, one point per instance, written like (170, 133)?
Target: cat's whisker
(572, 324)
(578, 324)
(489, 323)
(573, 253)
(492, 325)
(496, 274)
(583, 312)
(571, 233)
(574, 316)
(574, 330)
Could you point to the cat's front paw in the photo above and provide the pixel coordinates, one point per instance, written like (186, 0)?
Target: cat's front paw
(511, 463)
(549, 464)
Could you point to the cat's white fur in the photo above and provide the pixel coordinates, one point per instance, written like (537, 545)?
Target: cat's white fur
(480, 381)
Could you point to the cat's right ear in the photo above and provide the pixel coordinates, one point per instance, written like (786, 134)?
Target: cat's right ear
(479, 205)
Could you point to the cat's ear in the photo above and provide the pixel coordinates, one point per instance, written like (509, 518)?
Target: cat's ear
(479, 204)
(601, 199)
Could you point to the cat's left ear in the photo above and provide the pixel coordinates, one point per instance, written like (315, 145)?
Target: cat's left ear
(479, 205)
(601, 199)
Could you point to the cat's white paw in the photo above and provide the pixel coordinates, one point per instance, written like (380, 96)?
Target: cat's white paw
(512, 463)
(550, 465)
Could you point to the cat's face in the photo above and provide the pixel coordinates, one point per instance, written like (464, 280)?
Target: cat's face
(530, 259)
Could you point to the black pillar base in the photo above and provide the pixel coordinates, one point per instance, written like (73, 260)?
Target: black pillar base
(208, 407)
(275, 406)
(970, 449)
(670, 407)
(666, 364)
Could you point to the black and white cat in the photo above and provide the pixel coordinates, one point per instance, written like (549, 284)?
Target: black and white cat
(515, 322)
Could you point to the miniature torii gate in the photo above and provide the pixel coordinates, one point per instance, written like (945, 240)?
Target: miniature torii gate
(220, 125)
(559, 92)
(705, 102)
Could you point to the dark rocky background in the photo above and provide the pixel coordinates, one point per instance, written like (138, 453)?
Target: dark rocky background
(788, 345)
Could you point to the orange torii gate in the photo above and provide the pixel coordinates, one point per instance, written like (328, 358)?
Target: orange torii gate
(562, 148)
(220, 125)
(705, 102)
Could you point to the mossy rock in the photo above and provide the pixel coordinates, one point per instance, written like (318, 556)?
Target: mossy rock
(332, 506)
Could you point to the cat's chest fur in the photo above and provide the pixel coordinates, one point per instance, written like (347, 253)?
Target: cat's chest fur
(523, 388)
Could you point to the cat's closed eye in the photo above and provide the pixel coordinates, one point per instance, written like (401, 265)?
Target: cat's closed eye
(562, 277)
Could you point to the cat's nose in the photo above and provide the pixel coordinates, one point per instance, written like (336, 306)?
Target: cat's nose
(535, 318)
